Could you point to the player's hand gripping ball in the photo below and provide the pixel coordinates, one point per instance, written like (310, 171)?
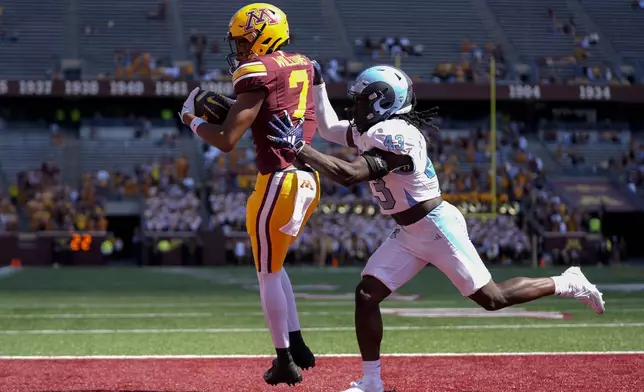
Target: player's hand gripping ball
(212, 107)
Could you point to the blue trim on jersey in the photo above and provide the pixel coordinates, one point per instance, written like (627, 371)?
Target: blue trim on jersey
(449, 224)
(429, 169)
(410, 200)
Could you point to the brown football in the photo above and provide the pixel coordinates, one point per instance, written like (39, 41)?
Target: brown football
(212, 107)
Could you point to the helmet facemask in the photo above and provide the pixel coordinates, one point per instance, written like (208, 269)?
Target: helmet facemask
(371, 106)
(240, 49)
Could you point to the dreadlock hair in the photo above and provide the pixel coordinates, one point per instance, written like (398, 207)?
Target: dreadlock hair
(421, 119)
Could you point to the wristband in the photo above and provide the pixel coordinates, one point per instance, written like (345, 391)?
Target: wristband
(298, 146)
(195, 123)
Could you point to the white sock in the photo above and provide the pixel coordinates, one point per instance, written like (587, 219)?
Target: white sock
(275, 307)
(293, 319)
(371, 370)
(562, 285)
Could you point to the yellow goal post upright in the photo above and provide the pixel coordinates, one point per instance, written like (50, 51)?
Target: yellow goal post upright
(494, 208)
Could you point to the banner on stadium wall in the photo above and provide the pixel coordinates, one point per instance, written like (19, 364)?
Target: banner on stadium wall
(424, 91)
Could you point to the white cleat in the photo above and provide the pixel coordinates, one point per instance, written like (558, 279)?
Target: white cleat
(582, 290)
(362, 386)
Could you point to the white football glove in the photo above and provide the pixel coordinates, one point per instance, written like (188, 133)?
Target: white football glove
(189, 104)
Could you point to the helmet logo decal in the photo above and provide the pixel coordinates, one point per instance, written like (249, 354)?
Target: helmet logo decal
(259, 17)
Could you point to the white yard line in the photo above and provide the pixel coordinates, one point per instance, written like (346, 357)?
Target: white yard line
(315, 329)
(259, 356)
(168, 305)
(65, 316)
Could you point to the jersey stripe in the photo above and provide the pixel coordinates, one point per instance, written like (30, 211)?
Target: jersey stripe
(250, 75)
(264, 250)
(254, 67)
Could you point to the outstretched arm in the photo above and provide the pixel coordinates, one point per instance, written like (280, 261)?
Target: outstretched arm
(340, 171)
(329, 126)
(371, 165)
(239, 119)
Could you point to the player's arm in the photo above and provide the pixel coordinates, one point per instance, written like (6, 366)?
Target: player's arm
(329, 126)
(240, 117)
(340, 171)
(369, 166)
(251, 83)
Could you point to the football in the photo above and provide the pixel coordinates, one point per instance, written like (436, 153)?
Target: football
(212, 107)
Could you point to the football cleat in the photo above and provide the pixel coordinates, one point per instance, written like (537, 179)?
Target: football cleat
(302, 356)
(582, 290)
(288, 374)
(366, 386)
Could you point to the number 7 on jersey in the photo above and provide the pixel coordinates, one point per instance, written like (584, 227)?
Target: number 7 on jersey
(295, 78)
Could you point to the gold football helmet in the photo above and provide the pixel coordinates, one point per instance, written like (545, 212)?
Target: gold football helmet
(255, 30)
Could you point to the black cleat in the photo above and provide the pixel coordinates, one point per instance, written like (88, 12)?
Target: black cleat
(288, 374)
(302, 356)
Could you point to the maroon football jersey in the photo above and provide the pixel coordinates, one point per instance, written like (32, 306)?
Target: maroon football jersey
(287, 79)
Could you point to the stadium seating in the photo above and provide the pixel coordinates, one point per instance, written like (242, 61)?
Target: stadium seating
(312, 35)
(173, 208)
(530, 28)
(20, 149)
(552, 214)
(126, 27)
(438, 26)
(532, 31)
(621, 24)
(40, 37)
(578, 152)
(132, 30)
(97, 155)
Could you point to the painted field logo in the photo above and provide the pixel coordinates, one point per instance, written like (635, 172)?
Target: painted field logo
(472, 312)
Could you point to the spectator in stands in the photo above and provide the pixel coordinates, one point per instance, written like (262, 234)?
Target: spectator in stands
(51, 206)
(176, 209)
(630, 166)
(8, 215)
(499, 239)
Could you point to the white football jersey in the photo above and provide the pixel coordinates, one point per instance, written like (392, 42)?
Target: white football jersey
(398, 190)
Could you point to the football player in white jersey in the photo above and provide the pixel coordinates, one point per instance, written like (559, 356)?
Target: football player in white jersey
(386, 130)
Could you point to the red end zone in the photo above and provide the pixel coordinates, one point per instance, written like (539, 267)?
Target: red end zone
(547, 373)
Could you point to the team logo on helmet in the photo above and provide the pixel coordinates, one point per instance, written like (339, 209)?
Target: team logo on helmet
(258, 17)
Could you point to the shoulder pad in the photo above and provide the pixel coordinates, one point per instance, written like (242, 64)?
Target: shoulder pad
(251, 72)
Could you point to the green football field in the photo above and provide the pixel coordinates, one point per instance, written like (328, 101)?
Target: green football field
(216, 311)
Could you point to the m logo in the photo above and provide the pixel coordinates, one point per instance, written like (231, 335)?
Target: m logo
(259, 17)
(307, 184)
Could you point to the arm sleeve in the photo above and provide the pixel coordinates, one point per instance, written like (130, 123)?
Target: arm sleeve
(331, 129)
